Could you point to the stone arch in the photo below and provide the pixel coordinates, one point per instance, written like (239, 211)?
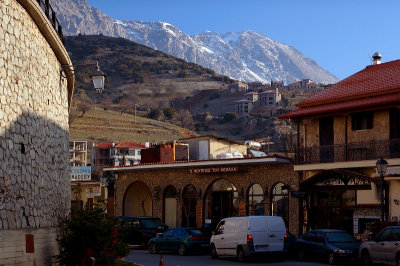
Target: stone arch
(220, 200)
(255, 199)
(280, 201)
(189, 203)
(170, 200)
(137, 200)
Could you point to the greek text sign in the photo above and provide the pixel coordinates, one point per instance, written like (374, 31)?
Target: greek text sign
(80, 173)
(211, 170)
(93, 191)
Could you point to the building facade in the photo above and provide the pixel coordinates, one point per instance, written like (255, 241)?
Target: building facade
(35, 99)
(200, 193)
(107, 154)
(343, 131)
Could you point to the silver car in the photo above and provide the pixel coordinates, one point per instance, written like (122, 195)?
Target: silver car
(384, 248)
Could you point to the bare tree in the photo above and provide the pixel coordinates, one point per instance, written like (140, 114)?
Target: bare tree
(82, 107)
(185, 118)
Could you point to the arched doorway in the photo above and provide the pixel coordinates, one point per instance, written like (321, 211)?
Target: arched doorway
(170, 201)
(255, 197)
(220, 201)
(280, 202)
(189, 202)
(138, 200)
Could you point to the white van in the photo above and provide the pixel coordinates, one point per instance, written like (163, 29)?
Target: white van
(249, 236)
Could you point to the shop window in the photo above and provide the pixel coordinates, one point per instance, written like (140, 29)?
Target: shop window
(361, 121)
(280, 202)
(254, 200)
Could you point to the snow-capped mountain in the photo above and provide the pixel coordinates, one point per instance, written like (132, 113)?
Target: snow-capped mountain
(247, 56)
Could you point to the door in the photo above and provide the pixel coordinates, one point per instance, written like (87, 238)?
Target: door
(276, 234)
(203, 150)
(392, 246)
(170, 212)
(379, 248)
(221, 205)
(394, 133)
(326, 137)
(219, 238)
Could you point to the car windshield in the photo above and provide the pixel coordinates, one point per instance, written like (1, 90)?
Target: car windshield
(151, 223)
(195, 232)
(340, 237)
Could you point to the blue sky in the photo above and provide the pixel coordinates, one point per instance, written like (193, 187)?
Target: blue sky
(340, 35)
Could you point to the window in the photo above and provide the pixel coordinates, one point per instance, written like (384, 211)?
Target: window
(384, 235)
(220, 228)
(361, 121)
(280, 202)
(254, 200)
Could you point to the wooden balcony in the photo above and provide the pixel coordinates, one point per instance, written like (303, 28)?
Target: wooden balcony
(355, 151)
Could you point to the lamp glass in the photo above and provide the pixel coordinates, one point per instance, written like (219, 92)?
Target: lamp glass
(98, 82)
(381, 166)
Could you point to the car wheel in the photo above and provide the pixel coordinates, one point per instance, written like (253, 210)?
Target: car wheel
(331, 259)
(152, 248)
(365, 258)
(240, 255)
(214, 253)
(182, 249)
(300, 255)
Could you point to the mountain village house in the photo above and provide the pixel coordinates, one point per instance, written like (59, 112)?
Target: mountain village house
(342, 132)
(107, 154)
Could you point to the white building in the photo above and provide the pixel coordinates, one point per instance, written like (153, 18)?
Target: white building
(127, 153)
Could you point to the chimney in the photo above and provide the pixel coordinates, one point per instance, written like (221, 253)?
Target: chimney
(376, 58)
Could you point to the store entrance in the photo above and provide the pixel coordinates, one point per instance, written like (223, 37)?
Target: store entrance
(221, 205)
(220, 201)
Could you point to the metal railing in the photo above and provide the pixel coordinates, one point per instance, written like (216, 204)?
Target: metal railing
(51, 15)
(356, 151)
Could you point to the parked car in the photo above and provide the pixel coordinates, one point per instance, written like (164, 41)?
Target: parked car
(327, 244)
(181, 240)
(138, 230)
(290, 239)
(249, 236)
(384, 248)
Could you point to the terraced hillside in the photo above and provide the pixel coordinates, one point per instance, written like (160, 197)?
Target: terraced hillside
(100, 125)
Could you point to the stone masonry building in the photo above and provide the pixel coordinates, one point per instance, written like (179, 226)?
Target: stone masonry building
(200, 193)
(35, 98)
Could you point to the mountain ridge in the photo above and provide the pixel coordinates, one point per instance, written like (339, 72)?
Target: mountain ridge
(246, 56)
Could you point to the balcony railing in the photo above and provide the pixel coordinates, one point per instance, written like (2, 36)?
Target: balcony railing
(51, 15)
(356, 151)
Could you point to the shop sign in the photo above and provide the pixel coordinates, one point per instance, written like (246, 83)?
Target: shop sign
(80, 173)
(93, 191)
(211, 170)
(298, 193)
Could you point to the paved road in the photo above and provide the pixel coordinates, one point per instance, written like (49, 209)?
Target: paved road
(170, 259)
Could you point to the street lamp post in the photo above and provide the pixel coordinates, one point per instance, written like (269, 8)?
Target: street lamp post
(98, 77)
(381, 167)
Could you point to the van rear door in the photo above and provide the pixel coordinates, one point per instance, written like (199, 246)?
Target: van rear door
(259, 231)
(277, 231)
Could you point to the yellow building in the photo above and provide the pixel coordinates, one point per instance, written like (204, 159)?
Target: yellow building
(342, 132)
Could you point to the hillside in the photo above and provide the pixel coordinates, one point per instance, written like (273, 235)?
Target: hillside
(135, 73)
(99, 125)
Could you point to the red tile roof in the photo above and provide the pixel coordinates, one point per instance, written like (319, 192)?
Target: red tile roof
(376, 85)
(104, 145)
(374, 80)
(383, 100)
(131, 144)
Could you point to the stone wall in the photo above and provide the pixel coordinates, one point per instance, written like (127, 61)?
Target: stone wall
(34, 172)
(266, 175)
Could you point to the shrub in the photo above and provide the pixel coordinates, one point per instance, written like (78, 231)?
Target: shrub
(89, 233)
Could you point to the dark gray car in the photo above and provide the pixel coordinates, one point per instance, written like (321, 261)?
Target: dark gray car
(327, 244)
(384, 248)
